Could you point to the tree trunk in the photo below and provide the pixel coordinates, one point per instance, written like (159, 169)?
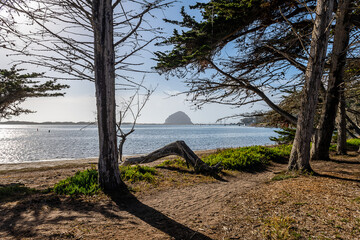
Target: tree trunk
(178, 148)
(341, 122)
(322, 139)
(109, 175)
(300, 153)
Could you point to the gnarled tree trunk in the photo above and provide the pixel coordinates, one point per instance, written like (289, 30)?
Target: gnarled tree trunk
(300, 153)
(322, 139)
(109, 175)
(178, 148)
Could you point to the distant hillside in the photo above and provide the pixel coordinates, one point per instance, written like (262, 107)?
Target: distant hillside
(178, 118)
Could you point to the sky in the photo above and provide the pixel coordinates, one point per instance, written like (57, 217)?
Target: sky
(78, 104)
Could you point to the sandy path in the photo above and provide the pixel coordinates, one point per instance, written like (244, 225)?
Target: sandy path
(203, 208)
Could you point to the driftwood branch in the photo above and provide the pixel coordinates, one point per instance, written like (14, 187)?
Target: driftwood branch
(178, 148)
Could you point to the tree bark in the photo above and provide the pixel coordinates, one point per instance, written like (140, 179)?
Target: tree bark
(300, 153)
(178, 148)
(322, 138)
(109, 175)
(341, 122)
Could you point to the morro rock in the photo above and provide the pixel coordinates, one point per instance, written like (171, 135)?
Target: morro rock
(178, 118)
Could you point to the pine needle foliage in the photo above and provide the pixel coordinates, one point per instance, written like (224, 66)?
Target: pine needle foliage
(15, 88)
(286, 136)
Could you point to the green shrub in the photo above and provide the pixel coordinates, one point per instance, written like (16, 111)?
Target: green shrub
(138, 173)
(281, 151)
(82, 183)
(248, 158)
(354, 142)
(15, 190)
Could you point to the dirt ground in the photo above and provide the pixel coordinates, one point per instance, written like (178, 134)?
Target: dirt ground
(185, 205)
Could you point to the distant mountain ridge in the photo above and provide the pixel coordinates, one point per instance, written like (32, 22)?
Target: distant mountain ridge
(178, 118)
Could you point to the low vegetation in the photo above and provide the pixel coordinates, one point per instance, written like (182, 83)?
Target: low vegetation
(138, 173)
(82, 183)
(248, 158)
(86, 182)
(353, 143)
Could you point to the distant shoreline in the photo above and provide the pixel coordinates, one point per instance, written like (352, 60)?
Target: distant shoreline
(92, 123)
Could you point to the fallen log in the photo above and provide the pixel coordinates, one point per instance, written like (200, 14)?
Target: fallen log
(180, 149)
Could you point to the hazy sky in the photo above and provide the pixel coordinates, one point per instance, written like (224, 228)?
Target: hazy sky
(79, 102)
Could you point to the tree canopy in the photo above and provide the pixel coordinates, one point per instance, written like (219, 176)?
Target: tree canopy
(253, 46)
(15, 88)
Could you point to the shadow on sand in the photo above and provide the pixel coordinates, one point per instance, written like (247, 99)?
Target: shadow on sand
(333, 176)
(21, 217)
(154, 218)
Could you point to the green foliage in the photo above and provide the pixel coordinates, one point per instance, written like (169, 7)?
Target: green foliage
(138, 173)
(351, 144)
(332, 147)
(16, 87)
(281, 151)
(82, 183)
(248, 158)
(176, 163)
(286, 136)
(223, 22)
(14, 190)
(354, 142)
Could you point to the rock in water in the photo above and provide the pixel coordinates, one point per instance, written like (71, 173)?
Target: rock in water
(179, 118)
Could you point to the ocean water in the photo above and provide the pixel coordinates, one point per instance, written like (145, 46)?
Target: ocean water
(27, 143)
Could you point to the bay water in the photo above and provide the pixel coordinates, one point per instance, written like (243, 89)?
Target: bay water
(31, 143)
